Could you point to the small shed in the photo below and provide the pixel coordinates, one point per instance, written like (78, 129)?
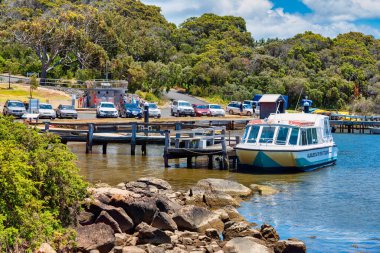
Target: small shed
(271, 103)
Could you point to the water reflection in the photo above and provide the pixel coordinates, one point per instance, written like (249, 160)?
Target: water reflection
(118, 166)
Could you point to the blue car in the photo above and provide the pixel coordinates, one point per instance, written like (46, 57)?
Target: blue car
(130, 111)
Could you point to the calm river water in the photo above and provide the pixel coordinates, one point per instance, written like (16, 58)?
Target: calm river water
(335, 209)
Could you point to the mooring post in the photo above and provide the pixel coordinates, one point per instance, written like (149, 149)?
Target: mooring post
(143, 148)
(189, 162)
(210, 161)
(90, 136)
(133, 138)
(47, 124)
(178, 126)
(166, 148)
(104, 148)
(224, 150)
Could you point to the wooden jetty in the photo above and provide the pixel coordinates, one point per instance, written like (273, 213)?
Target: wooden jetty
(199, 142)
(351, 123)
(134, 133)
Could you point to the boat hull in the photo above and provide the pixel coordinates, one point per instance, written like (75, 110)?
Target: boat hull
(278, 161)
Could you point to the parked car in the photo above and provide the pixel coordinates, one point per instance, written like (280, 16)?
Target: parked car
(46, 111)
(216, 110)
(66, 111)
(181, 107)
(130, 110)
(154, 111)
(201, 110)
(254, 105)
(234, 108)
(15, 108)
(106, 110)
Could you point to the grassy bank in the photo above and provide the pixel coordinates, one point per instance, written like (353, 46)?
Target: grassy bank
(21, 92)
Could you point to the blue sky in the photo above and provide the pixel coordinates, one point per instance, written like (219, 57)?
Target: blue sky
(283, 18)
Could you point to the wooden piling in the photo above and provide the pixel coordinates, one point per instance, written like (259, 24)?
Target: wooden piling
(210, 161)
(104, 148)
(133, 138)
(143, 149)
(189, 162)
(225, 162)
(167, 144)
(90, 136)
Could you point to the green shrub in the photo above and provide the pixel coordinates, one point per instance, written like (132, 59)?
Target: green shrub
(40, 188)
(151, 97)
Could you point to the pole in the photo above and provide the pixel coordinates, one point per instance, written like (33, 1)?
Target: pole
(9, 79)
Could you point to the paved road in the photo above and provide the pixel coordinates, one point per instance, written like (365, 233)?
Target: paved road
(174, 95)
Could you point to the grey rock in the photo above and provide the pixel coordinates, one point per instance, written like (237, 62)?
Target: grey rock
(212, 233)
(264, 190)
(95, 237)
(122, 218)
(230, 187)
(239, 229)
(245, 245)
(139, 210)
(46, 248)
(269, 233)
(105, 218)
(290, 246)
(233, 214)
(207, 198)
(197, 219)
(148, 234)
(158, 183)
(133, 249)
(86, 218)
(163, 221)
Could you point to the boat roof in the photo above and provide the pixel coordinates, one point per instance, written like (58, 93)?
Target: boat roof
(293, 119)
(269, 98)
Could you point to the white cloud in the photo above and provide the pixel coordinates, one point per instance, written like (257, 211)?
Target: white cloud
(328, 17)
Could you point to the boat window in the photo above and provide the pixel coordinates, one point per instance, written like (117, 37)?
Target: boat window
(294, 136)
(303, 137)
(315, 135)
(252, 138)
(267, 135)
(282, 135)
(309, 136)
(244, 139)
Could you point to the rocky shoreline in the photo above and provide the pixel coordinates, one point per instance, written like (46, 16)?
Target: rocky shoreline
(148, 216)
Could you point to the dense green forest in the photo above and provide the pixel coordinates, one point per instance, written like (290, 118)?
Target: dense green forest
(211, 56)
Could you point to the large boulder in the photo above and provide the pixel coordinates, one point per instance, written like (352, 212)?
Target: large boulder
(95, 237)
(163, 221)
(198, 219)
(214, 199)
(239, 229)
(246, 245)
(233, 214)
(269, 233)
(158, 183)
(132, 249)
(140, 210)
(105, 218)
(264, 190)
(221, 185)
(290, 246)
(86, 218)
(148, 234)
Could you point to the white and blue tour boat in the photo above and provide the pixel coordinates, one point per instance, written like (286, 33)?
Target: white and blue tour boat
(287, 142)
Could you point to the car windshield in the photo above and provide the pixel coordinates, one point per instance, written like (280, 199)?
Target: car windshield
(153, 106)
(44, 106)
(15, 104)
(131, 106)
(201, 107)
(247, 107)
(215, 107)
(67, 107)
(107, 105)
(184, 104)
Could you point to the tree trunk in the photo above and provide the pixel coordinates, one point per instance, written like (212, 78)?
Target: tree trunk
(43, 75)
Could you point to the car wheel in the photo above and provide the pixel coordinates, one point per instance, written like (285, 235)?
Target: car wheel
(249, 113)
(231, 112)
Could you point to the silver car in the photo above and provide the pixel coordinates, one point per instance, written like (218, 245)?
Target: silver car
(154, 111)
(234, 108)
(46, 111)
(15, 108)
(66, 111)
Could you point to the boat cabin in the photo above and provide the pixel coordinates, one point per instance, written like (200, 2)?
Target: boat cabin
(288, 130)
